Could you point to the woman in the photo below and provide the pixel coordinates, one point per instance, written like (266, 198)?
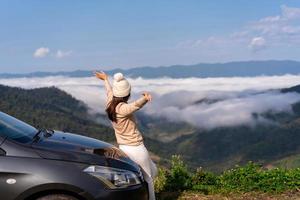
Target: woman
(120, 113)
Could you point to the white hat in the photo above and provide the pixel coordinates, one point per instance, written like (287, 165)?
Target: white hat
(121, 87)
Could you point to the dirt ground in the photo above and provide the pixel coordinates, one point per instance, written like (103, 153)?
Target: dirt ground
(246, 196)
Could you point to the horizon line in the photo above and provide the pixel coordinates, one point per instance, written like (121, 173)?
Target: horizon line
(145, 66)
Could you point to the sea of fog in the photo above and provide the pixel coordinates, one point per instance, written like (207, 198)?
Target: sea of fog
(203, 102)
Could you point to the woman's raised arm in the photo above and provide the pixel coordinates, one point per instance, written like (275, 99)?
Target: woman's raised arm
(103, 76)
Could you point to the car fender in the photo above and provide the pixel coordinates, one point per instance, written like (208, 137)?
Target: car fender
(51, 188)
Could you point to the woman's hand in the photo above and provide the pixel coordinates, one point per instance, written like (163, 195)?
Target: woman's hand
(148, 96)
(101, 75)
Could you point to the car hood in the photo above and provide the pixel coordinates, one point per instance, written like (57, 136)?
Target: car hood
(77, 148)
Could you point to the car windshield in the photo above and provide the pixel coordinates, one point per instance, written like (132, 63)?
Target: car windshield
(15, 129)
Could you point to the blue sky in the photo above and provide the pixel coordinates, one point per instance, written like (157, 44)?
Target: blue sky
(63, 35)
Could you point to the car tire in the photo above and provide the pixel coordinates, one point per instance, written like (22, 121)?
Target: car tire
(57, 197)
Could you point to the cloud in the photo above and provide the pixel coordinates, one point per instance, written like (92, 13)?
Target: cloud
(41, 52)
(44, 51)
(290, 13)
(62, 54)
(257, 43)
(281, 29)
(238, 110)
(203, 102)
(278, 30)
(270, 19)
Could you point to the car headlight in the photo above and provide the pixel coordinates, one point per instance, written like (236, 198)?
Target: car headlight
(114, 178)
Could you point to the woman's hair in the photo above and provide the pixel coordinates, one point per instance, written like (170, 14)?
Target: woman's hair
(111, 109)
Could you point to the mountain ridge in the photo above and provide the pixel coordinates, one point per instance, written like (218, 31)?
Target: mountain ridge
(201, 70)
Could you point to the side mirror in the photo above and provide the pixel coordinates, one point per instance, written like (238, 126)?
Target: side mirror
(2, 152)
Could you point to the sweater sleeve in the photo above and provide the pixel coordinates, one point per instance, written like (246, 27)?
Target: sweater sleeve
(127, 109)
(109, 92)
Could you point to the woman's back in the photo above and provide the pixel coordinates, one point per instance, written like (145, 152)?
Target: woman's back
(125, 127)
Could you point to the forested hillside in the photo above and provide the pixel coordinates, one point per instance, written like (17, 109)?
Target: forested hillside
(51, 108)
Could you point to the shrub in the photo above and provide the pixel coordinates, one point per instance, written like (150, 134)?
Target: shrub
(203, 181)
(161, 180)
(251, 177)
(178, 177)
(279, 180)
(241, 178)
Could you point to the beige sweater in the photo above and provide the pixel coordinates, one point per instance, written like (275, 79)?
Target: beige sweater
(126, 130)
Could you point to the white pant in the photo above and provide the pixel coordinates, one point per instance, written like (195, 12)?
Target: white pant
(140, 155)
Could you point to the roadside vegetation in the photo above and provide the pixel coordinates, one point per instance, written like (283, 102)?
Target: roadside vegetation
(242, 180)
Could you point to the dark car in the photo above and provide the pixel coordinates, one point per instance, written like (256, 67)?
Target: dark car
(48, 165)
